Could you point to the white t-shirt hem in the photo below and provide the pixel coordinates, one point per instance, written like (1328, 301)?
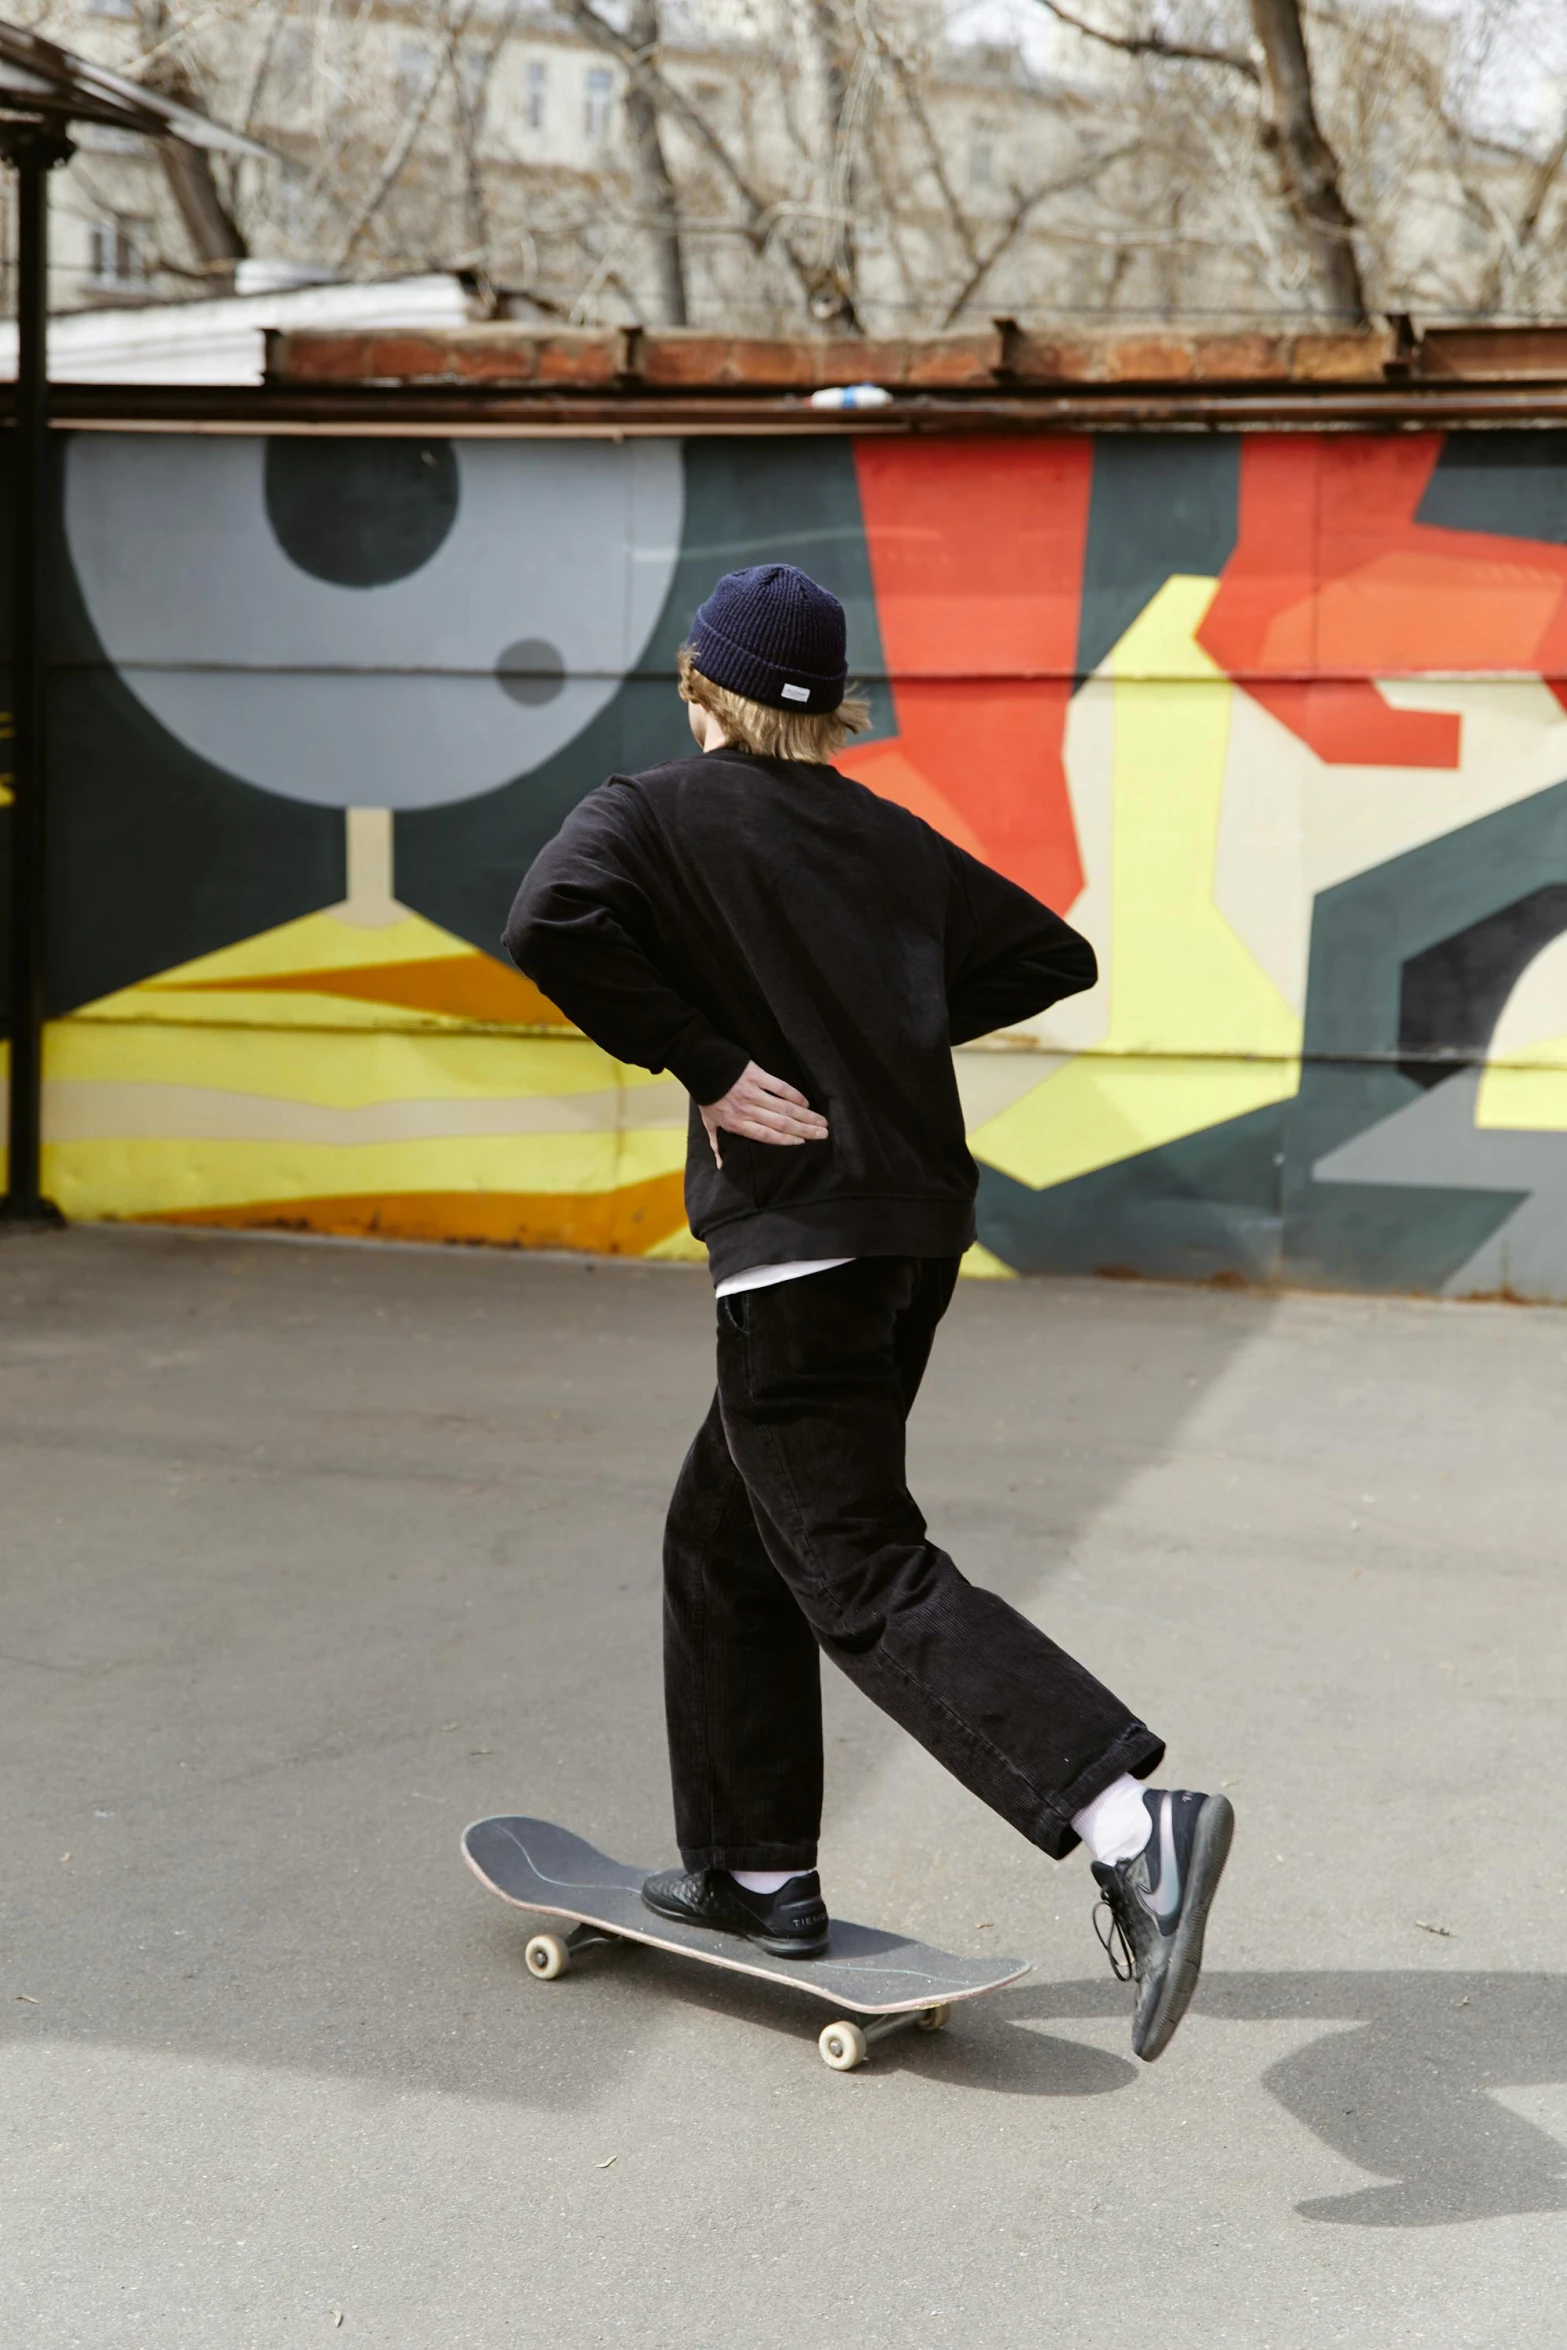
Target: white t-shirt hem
(764, 1276)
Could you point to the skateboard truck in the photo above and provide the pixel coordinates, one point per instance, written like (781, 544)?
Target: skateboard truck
(549, 1955)
(844, 2044)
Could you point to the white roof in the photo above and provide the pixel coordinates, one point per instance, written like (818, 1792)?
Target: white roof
(222, 342)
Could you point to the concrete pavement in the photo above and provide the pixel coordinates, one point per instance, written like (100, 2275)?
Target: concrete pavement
(314, 1552)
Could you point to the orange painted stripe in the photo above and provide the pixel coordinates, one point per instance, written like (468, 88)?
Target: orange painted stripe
(609, 1223)
(466, 987)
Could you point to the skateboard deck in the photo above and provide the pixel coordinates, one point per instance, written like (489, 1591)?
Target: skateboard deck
(886, 1981)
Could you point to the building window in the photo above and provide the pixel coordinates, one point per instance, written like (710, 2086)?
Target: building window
(413, 68)
(473, 80)
(293, 56)
(111, 8)
(982, 157)
(118, 249)
(536, 91)
(600, 93)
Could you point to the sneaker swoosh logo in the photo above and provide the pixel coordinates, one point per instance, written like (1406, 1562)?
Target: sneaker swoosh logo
(1165, 1905)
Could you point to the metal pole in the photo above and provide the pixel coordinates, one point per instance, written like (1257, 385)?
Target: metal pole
(34, 151)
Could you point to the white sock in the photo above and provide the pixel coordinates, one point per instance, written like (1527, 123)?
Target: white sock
(763, 1880)
(1116, 1825)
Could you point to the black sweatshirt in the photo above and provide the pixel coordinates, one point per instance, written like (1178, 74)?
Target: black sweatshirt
(729, 908)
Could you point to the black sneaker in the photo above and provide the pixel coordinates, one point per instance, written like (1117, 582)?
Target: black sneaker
(791, 1923)
(1158, 1904)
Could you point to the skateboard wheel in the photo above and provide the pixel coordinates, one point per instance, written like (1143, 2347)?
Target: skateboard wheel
(842, 2047)
(933, 2019)
(547, 1957)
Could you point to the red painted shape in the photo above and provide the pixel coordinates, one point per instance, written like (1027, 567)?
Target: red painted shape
(976, 554)
(1333, 584)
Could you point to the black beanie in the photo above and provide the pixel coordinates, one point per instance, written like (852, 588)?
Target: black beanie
(774, 636)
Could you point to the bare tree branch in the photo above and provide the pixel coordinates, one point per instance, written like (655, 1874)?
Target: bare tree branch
(216, 239)
(1026, 204)
(1307, 164)
(413, 123)
(1513, 245)
(655, 190)
(673, 102)
(1155, 45)
(266, 49)
(470, 98)
(761, 218)
(909, 85)
(799, 162)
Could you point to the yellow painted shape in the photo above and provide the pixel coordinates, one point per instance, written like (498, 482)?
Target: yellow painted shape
(980, 1265)
(239, 1008)
(331, 1068)
(77, 1111)
(316, 942)
(211, 990)
(681, 1248)
(1528, 1089)
(144, 1176)
(1188, 999)
(263, 1115)
(1098, 1111)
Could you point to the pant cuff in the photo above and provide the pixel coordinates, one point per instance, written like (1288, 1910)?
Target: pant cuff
(794, 1857)
(1135, 1753)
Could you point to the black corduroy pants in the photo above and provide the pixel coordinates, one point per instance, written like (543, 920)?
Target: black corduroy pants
(792, 1530)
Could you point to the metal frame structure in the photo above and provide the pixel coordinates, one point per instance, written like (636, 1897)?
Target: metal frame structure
(43, 90)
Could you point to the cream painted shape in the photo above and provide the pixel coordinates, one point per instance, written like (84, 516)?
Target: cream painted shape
(1197, 1030)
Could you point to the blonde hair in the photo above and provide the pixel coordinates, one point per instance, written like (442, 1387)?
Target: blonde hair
(812, 735)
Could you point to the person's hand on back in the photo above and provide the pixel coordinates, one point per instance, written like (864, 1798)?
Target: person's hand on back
(763, 1109)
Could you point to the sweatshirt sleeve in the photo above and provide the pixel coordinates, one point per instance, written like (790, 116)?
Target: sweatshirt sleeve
(583, 930)
(1007, 955)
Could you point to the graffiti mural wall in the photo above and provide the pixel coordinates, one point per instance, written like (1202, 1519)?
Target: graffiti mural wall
(1279, 721)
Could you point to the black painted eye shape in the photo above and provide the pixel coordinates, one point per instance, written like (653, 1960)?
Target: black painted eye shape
(360, 513)
(530, 671)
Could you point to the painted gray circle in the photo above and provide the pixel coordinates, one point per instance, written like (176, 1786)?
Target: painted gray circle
(360, 513)
(377, 697)
(531, 671)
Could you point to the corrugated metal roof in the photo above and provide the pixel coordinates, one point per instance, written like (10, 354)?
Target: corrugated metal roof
(40, 79)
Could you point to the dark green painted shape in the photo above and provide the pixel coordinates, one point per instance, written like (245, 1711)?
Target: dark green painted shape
(1508, 484)
(761, 501)
(1206, 1205)
(155, 856)
(1451, 996)
(1391, 1236)
(1241, 1197)
(1161, 504)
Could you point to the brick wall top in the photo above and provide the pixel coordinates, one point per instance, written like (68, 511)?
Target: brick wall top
(1003, 356)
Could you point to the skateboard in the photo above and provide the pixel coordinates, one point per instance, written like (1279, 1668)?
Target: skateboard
(886, 1982)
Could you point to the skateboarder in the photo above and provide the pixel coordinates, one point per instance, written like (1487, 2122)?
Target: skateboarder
(802, 955)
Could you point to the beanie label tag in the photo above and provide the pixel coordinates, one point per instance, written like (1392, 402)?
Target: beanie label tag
(795, 693)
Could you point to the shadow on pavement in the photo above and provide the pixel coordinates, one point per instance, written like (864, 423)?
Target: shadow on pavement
(965, 2057)
(317, 1554)
(1401, 2082)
